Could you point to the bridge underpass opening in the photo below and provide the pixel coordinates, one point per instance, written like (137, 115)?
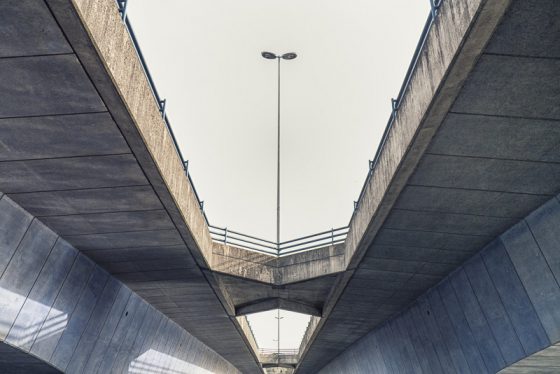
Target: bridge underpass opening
(264, 326)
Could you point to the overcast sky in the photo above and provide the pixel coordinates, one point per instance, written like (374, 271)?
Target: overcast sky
(204, 56)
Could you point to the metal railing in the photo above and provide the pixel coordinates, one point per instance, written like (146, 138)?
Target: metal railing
(304, 243)
(322, 239)
(396, 103)
(161, 103)
(274, 352)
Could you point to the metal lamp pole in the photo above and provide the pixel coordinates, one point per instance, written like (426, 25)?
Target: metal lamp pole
(273, 56)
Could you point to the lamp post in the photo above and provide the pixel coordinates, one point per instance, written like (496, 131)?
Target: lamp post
(273, 56)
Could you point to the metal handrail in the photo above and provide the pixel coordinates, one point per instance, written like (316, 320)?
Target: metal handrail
(330, 238)
(396, 103)
(230, 238)
(122, 5)
(304, 243)
(238, 233)
(312, 247)
(312, 235)
(272, 351)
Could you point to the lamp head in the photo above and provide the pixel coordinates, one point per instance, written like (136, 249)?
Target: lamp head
(289, 56)
(269, 55)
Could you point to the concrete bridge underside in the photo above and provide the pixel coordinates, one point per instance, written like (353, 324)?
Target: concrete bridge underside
(473, 151)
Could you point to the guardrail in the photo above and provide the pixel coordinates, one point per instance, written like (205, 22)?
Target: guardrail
(122, 4)
(275, 352)
(304, 243)
(396, 103)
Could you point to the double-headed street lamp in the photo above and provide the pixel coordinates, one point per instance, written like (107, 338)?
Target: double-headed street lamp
(273, 56)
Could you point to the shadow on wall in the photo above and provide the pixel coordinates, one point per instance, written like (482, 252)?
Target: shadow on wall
(148, 363)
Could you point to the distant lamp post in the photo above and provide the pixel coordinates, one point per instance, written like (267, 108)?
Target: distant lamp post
(273, 56)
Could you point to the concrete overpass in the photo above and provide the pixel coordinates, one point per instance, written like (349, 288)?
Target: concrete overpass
(450, 265)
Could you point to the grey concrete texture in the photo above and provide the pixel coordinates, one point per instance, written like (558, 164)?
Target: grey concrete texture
(273, 270)
(304, 297)
(63, 313)
(491, 315)
(15, 361)
(41, 35)
(40, 85)
(56, 136)
(546, 361)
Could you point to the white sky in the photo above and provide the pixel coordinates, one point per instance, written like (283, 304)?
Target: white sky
(265, 330)
(204, 56)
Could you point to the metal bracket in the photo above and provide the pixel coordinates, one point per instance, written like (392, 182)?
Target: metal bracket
(186, 166)
(394, 105)
(162, 105)
(122, 8)
(435, 5)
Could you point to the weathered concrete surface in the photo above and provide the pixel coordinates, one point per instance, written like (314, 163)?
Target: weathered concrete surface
(256, 282)
(264, 268)
(494, 312)
(15, 361)
(60, 312)
(546, 361)
(273, 360)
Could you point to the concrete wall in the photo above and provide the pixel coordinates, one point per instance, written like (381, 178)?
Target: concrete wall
(498, 308)
(59, 306)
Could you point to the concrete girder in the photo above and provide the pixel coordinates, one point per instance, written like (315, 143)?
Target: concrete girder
(276, 303)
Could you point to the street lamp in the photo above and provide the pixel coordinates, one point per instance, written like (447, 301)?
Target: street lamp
(273, 56)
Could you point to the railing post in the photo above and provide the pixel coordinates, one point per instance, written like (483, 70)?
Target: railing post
(186, 166)
(225, 236)
(162, 105)
(394, 105)
(332, 236)
(202, 206)
(435, 4)
(122, 8)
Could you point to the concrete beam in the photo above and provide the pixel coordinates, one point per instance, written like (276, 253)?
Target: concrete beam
(276, 303)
